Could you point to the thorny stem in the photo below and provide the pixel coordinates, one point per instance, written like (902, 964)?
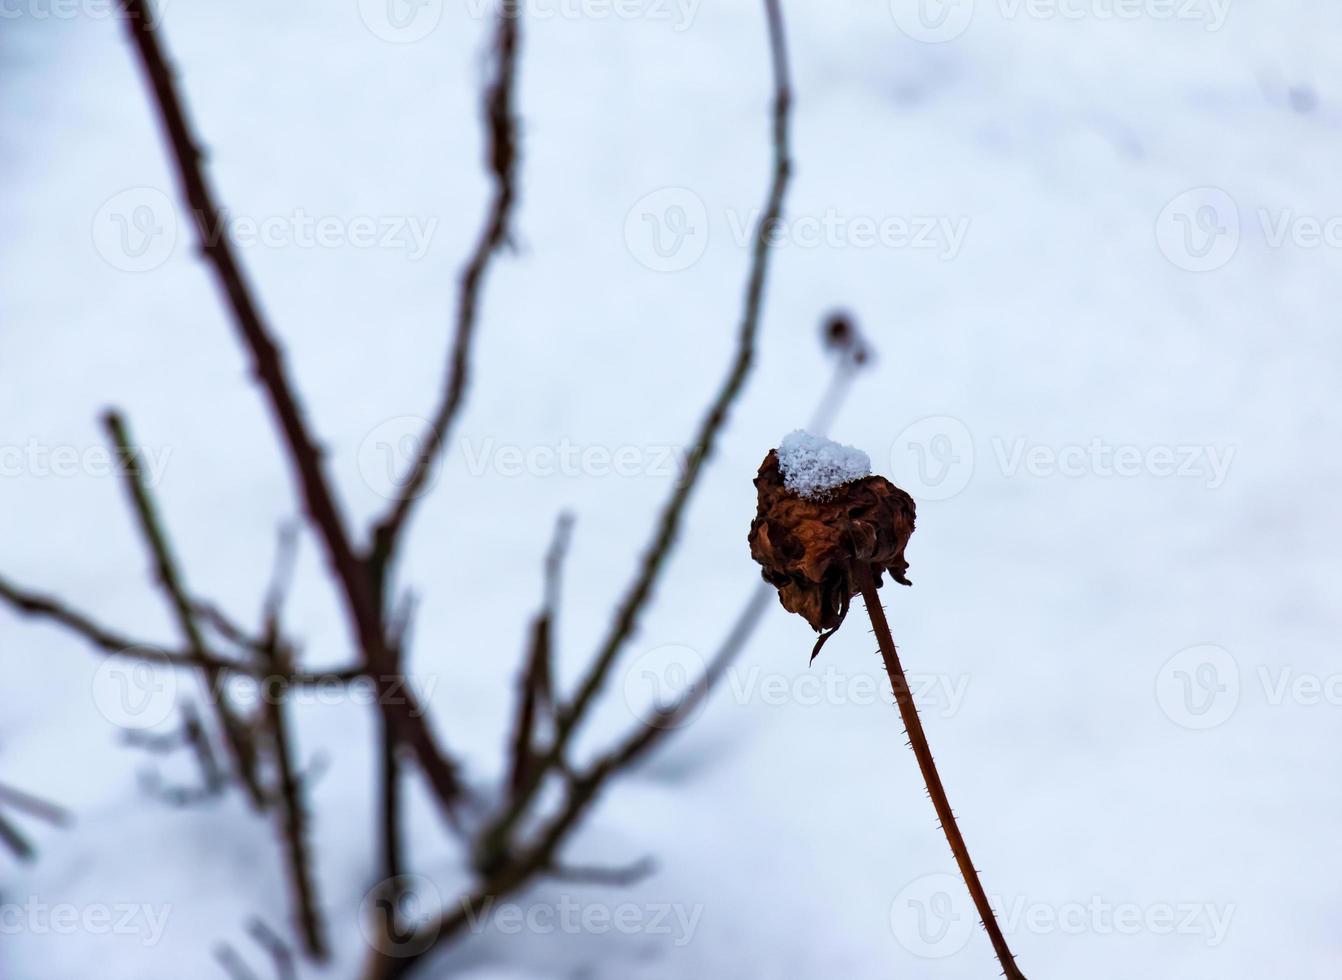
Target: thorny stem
(918, 741)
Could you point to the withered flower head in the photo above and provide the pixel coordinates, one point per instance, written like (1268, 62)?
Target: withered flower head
(812, 526)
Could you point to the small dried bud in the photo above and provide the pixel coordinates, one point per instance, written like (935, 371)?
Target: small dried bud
(839, 332)
(808, 545)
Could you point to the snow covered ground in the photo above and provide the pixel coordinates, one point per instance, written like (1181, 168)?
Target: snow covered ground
(1097, 244)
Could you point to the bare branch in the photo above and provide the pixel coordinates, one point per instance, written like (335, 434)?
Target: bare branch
(281, 579)
(655, 557)
(267, 359)
(34, 806)
(362, 601)
(622, 877)
(280, 954)
(15, 841)
(45, 606)
(174, 589)
(233, 964)
(293, 811)
(535, 686)
(501, 120)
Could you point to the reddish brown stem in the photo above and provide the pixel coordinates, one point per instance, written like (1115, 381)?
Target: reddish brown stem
(918, 740)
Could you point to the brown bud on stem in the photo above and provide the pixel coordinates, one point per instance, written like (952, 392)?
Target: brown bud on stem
(808, 546)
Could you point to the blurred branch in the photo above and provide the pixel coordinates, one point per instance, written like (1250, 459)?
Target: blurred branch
(293, 815)
(15, 841)
(536, 683)
(362, 601)
(655, 557)
(227, 957)
(280, 954)
(542, 854)
(501, 121)
(236, 735)
(620, 877)
(276, 656)
(34, 807)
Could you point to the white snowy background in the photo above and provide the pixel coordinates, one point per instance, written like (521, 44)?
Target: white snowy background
(1132, 681)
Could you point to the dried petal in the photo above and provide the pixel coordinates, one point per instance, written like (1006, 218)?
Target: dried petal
(807, 547)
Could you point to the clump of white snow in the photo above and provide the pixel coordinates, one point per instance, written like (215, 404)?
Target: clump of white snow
(813, 466)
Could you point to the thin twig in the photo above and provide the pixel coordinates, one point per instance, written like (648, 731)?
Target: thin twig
(280, 954)
(535, 686)
(362, 601)
(908, 711)
(391, 815)
(195, 736)
(174, 589)
(294, 828)
(503, 154)
(43, 606)
(233, 964)
(622, 877)
(34, 806)
(15, 841)
(655, 557)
